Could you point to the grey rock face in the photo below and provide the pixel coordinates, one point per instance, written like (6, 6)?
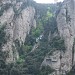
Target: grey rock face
(17, 27)
(23, 23)
(66, 28)
(52, 60)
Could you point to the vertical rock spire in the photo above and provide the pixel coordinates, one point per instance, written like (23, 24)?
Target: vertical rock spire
(66, 28)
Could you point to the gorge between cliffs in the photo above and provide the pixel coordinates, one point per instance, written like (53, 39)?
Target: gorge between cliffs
(37, 39)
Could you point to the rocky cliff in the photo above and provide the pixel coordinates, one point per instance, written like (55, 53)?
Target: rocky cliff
(18, 18)
(66, 28)
(61, 61)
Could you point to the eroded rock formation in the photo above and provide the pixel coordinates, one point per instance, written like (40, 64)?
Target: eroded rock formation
(66, 29)
(18, 23)
(65, 22)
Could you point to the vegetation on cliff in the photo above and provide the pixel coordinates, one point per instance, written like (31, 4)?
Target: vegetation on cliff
(29, 63)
